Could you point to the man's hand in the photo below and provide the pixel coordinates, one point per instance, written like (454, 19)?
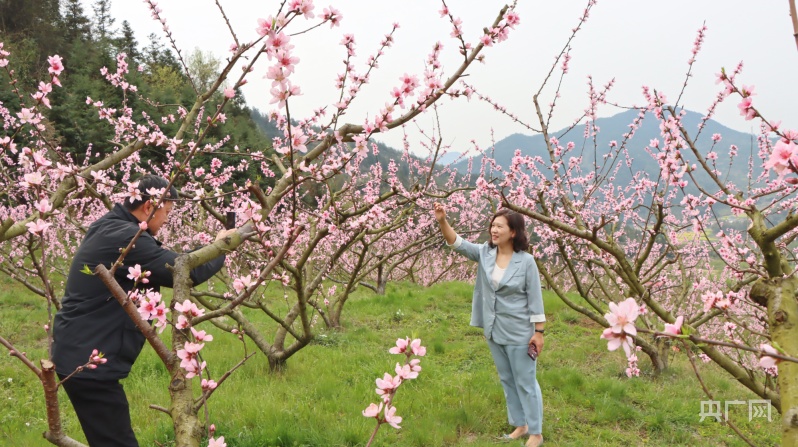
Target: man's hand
(224, 233)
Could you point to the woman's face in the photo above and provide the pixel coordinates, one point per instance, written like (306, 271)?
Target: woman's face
(500, 232)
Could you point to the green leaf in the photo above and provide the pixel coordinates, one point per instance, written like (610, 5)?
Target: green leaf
(86, 270)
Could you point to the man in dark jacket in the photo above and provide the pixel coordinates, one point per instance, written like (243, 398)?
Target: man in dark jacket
(90, 318)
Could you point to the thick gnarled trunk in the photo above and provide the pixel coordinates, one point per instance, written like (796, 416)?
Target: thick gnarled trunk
(188, 429)
(779, 294)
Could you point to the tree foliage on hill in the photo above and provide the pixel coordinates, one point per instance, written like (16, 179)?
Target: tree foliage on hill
(34, 29)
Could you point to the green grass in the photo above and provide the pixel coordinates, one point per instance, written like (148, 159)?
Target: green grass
(456, 401)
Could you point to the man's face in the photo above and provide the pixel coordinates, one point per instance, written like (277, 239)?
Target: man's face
(160, 216)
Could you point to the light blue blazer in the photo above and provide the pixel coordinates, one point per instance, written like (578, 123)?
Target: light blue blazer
(507, 313)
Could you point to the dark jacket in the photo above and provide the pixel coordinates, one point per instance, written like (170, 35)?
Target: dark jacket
(90, 317)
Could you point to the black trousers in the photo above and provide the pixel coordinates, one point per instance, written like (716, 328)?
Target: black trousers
(103, 411)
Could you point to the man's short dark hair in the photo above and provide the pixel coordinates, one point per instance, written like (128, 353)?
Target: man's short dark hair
(147, 182)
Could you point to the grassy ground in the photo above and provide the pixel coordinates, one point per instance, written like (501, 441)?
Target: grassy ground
(456, 401)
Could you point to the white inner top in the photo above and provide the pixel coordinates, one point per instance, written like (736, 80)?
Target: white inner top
(497, 275)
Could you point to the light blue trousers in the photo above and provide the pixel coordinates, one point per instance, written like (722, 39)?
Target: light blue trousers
(521, 389)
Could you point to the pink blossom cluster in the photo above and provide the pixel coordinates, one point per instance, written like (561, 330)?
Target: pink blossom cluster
(621, 319)
(96, 359)
(187, 311)
(632, 370)
(332, 15)
(125, 127)
(117, 79)
(151, 307)
(136, 274)
(38, 227)
(3, 56)
(355, 79)
(768, 363)
(189, 354)
(243, 282)
(408, 347)
(407, 89)
(279, 49)
(55, 69)
(675, 328)
(718, 300)
(155, 12)
(784, 157)
(500, 32)
(699, 40)
(387, 386)
(189, 358)
(41, 95)
(35, 182)
(746, 105)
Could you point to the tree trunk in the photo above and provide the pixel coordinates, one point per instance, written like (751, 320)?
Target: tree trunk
(783, 316)
(54, 432)
(277, 364)
(382, 282)
(657, 353)
(334, 321)
(188, 430)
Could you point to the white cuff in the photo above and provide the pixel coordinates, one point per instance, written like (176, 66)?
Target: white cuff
(457, 242)
(537, 318)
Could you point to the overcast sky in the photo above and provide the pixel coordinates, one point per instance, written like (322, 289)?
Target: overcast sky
(637, 42)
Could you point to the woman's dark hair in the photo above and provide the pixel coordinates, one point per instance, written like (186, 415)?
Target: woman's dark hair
(516, 223)
(149, 181)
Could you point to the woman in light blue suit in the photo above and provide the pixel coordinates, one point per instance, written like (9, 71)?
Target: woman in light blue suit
(508, 305)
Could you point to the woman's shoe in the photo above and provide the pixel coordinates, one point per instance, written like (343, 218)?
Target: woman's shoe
(514, 437)
(534, 440)
(508, 437)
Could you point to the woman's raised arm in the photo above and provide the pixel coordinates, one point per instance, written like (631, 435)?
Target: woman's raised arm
(446, 229)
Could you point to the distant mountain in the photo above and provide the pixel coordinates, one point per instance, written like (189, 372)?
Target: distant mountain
(613, 128)
(448, 158)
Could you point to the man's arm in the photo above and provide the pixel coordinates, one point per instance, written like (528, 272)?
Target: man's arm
(154, 259)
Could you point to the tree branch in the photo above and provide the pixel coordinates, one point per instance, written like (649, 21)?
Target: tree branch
(794, 16)
(130, 309)
(245, 294)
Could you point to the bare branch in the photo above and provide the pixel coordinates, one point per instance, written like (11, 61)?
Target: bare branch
(14, 352)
